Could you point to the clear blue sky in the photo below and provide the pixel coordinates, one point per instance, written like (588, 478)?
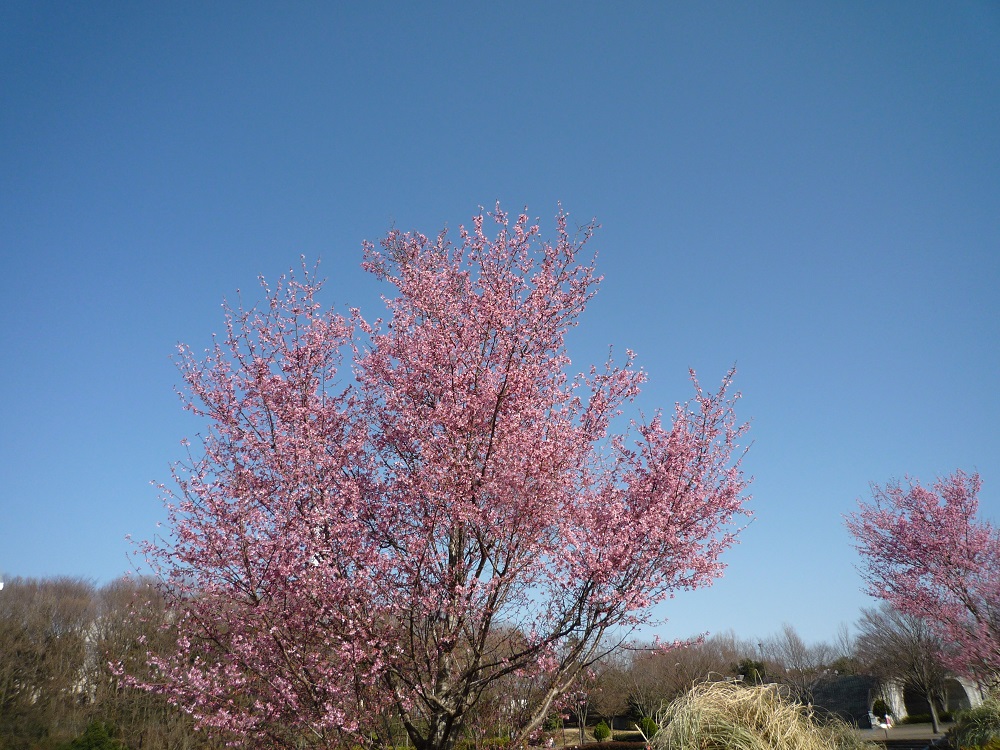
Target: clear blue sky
(809, 190)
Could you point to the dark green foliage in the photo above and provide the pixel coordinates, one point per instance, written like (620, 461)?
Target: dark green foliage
(609, 746)
(880, 707)
(95, 737)
(977, 727)
(553, 722)
(752, 671)
(648, 726)
(602, 732)
(627, 736)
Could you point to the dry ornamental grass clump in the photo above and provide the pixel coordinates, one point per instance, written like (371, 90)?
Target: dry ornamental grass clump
(731, 716)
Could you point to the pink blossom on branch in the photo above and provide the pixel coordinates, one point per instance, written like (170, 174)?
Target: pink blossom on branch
(927, 555)
(452, 512)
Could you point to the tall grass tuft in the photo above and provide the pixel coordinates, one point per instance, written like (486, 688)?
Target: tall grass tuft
(977, 727)
(732, 716)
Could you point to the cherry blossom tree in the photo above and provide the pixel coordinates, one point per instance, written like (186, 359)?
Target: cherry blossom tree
(927, 555)
(450, 510)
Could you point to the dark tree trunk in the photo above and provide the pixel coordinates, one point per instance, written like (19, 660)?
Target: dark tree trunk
(935, 723)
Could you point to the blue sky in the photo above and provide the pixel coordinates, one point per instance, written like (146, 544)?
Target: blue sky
(810, 191)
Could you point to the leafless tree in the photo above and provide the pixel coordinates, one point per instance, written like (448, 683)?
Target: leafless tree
(131, 620)
(657, 676)
(43, 636)
(59, 640)
(896, 646)
(800, 666)
(845, 643)
(611, 697)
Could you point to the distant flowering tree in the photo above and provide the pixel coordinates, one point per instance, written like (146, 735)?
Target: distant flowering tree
(927, 555)
(450, 511)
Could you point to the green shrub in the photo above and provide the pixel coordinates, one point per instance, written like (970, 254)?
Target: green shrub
(627, 735)
(648, 726)
(731, 716)
(880, 707)
(752, 671)
(552, 722)
(977, 727)
(95, 737)
(601, 732)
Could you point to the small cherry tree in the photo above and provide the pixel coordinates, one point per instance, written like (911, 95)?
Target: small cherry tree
(927, 555)
(450, 511)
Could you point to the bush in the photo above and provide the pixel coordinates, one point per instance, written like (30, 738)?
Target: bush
(880, 707)
(627, 736)
(552, 722)
(648, 727)
(730, 716)
(601, 732)
(95, 737)
(977, 727)
(752, 671)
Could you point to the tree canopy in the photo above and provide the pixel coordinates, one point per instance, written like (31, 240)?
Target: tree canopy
(451, 510)
(928, 555)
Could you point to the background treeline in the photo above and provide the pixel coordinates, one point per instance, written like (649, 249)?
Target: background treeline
(59, 690)
(634, 682)
(58, 638)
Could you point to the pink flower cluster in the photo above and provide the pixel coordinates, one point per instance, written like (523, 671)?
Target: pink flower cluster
(451, 510)
(928, 555)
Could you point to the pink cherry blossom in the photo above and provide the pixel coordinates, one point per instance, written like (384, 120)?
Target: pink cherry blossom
(927, 554)
(391, 538)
